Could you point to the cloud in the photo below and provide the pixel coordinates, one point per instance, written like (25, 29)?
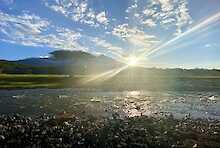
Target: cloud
(30, 24)
(183, 17)
(101, 18)
(149, 23)
(108, 47)
(121, 31)
(78, 11)
(161, 13)
(166, 5)
(31, 30)
(135, 37)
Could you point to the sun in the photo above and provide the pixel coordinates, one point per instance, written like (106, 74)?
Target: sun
(132, 61)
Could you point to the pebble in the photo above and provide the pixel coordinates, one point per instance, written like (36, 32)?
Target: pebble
(127, 132)
(2, 137)
(195, 145)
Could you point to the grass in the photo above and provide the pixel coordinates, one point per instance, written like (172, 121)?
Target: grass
(11, 81)
(20, 81)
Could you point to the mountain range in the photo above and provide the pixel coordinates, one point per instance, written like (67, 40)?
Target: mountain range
(83, 63)
(61, 62)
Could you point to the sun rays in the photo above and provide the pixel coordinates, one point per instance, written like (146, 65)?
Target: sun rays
(135, 60)
(199, 27)
(132, 61)
(105, 75)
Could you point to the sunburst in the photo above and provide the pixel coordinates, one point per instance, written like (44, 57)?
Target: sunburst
(132, 61)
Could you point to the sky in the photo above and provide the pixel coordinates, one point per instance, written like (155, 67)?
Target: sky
(164, 33)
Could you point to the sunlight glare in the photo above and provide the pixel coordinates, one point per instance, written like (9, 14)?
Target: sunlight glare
(106, 75)
(132, 61)
(202, 25)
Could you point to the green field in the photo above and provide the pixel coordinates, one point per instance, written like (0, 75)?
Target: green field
(152, 82)
(11, 81)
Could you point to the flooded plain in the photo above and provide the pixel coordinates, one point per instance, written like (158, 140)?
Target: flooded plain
(99, 103)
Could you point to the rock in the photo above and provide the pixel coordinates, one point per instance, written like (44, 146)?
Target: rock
(138, 145)
(212, 98)
(137, 107)
(195, 146)
(2, 137)
(66, 123)
(94, 100)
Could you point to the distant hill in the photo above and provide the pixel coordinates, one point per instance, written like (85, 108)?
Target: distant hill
(136, 78)
(174, 72)
(61, 62)
(79, 62)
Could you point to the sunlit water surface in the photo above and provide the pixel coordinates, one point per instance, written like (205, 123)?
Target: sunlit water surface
(34, 102)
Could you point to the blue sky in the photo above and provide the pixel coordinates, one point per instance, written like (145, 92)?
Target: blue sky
(166, 33)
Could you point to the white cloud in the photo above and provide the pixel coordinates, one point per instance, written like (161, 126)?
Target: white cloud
(101, 18)
(161, 13)
(78, 11)
(135, 37)
(31, 30)
(108, 47)
(183, 17)
(121, 31)
(31, 24)
(166, 5)
(149, 23)
(149, 12)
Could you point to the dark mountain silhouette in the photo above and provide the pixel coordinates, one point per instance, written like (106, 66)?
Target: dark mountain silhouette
(79, 62)
(61, 62)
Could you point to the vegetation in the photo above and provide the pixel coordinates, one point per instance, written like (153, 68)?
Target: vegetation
(60, 62)
(10, 81)
(119, 82)
(52, 73)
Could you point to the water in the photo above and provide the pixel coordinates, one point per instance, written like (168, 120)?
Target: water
(99, 103)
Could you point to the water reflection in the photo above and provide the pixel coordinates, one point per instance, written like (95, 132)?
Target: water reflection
(135, 104)
(105, 104)
(133, 93)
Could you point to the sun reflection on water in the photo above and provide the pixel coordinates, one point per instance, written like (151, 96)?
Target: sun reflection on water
(133, 93)
(136, 104)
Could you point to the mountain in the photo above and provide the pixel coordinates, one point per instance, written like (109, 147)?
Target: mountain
(155, 79)
(79, 62)
(61, 62)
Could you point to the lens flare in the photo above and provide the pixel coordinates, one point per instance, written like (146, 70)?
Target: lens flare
(106, 75)
(214, 18)
(132, 61)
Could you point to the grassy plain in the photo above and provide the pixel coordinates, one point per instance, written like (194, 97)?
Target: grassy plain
(12, 81)
(20, 81)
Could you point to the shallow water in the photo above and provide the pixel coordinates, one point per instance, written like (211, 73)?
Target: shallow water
(34, 102)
